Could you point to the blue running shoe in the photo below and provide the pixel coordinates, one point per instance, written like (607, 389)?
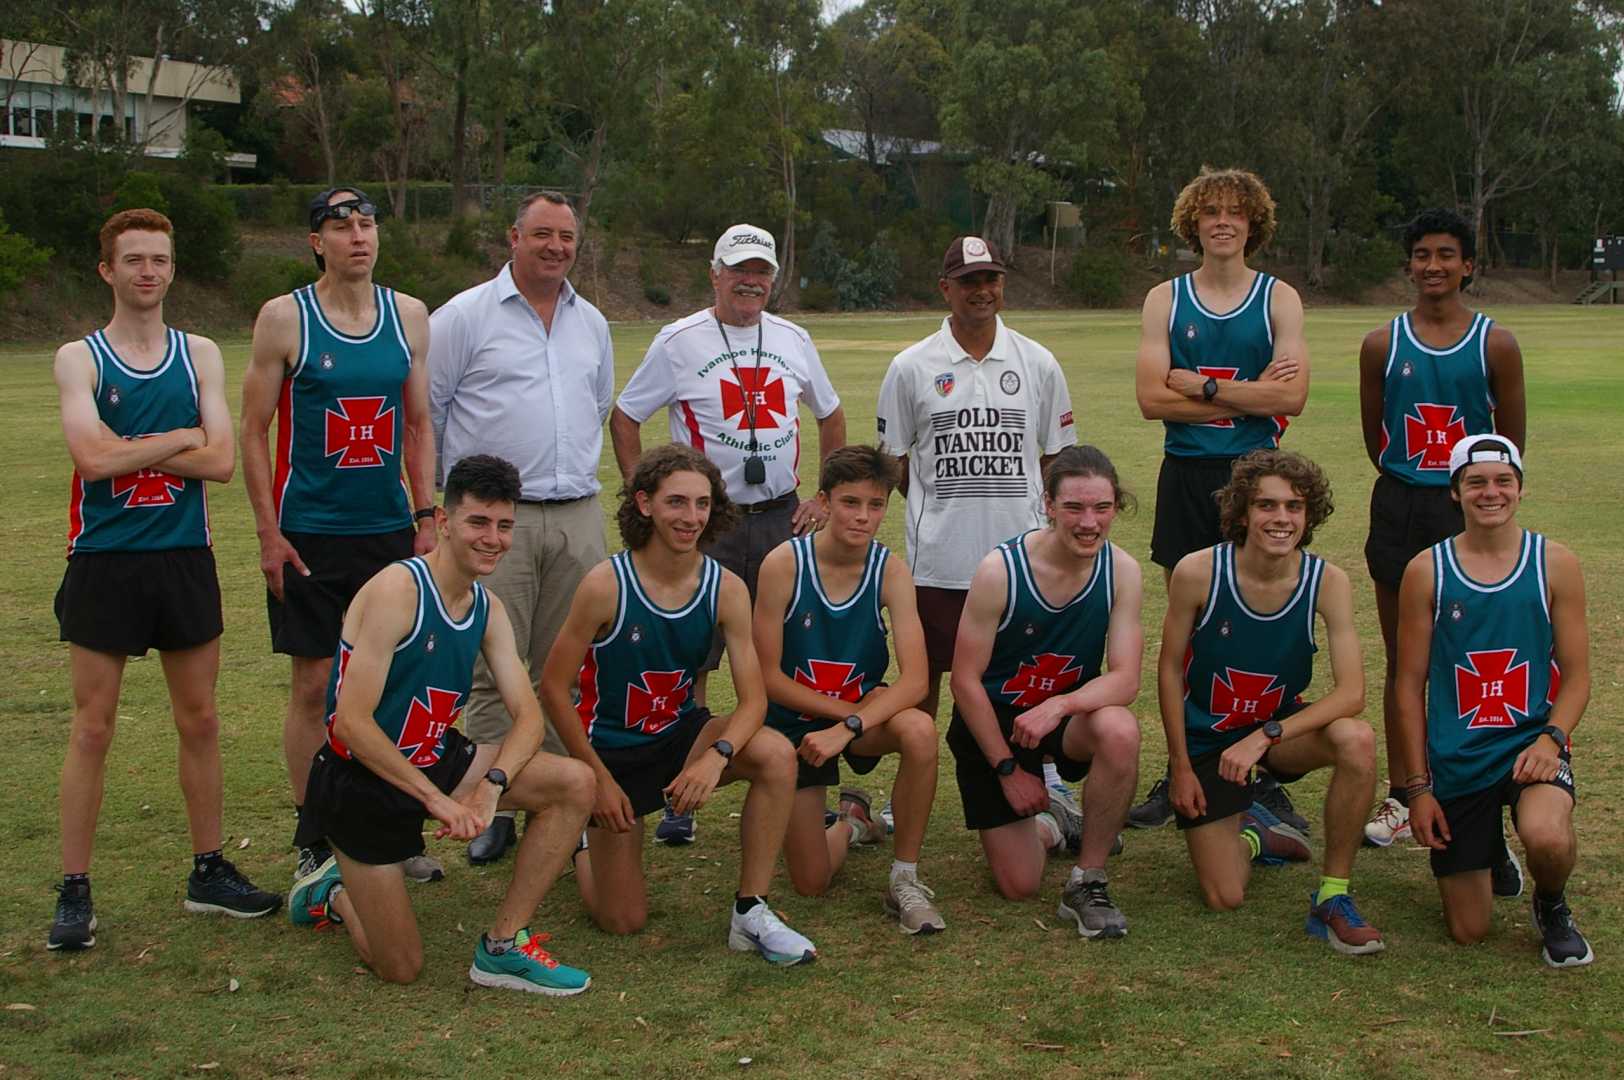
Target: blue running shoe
(1338, 922)
(311, 901)
(675, 829)
(528, 967)
(1280, 843)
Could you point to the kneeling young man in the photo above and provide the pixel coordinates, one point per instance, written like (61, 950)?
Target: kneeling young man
(638, 632)
(1493, 676)
(1237, 653)
(403, 671)
(1044, 610)
(825, 659)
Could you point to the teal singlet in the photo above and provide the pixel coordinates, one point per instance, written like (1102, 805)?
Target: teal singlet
(1431, 399)
(1242, 667)
(637, 680)
(1236, 345)
(429, 676)
(339, 425)
(1041, 650)
(836, 649)
(149, 509)
(1492, 675)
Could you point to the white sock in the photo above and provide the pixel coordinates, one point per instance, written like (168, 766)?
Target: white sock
(1049, 830)
(1076, 875)
(1051, 775)
(904, 871)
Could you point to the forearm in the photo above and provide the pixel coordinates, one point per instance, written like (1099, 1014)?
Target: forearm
(371, 747)
(1111, 688)
(561, 711)
(1171, 697)
(521, 742)
(1569, 707)
(972, 703)
(625, 435)
(1338, 703)
(1265, 397)
(1166, 404)
(886, 701)
(744, 721)
(786, 692)
(111, 456)
(216, 462)
(1412, 737)
(420, 461)
(831, 433)
(256, 477)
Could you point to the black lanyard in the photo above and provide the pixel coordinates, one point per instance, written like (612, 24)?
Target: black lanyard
(747, 395)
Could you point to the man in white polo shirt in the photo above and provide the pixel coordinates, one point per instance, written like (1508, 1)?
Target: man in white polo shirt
(731, 378)
(522, 367)
(974, 412)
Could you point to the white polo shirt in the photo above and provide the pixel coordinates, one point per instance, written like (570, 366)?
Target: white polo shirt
(974, 433)
(712, 390)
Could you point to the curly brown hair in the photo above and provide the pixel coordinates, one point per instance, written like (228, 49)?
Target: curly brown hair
(1247, 189)
(636, 528)
(1307, 479)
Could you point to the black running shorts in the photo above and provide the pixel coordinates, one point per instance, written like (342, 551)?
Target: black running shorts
(1405, 520)
(126, 602)
(307, 620)
(984, 804)
(1187, 506)
(1476, 838)
(644, 771)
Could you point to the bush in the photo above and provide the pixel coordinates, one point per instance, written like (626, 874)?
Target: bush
(406, 264)
(20, 259)
(137, 191)
(870, 280)
(259, 278)
(657, 294)
(1097, 276)
(1358, 262)
(817, 296)
(206, 246)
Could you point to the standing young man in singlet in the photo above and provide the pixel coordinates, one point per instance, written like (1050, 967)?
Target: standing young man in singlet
(636, 636)
(822, 643)
(393, 755)
(144, 415)
(1493, 676)
(1044, 610)
(1223, 364)
(1432, 376)
(1237, 653)
(341, 364)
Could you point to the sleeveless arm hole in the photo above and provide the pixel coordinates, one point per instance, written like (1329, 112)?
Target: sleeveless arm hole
(184, 350)
(95, 362)
(1007, 551)
(800, 572)
(387, 296)
(418, 571)
(1317, 569)
(301, 300)
(1109, 577)
(1483, 360)
(1268, 306)
(621, 589)
(1173, 307)
(1438, 581)
(713, 590)
(879, 553)
(1219, 554)
(1394, 330)
(1542, 579)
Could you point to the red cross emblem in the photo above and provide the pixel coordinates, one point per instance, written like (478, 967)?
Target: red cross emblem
(147, 487)
(832, 678)
(1222, 374)
(758, 392)
(1244, 698)
(425, 724)
(1429, 432)
(653, 700)
(358, 434)
(1047, 675)
(1488, 688)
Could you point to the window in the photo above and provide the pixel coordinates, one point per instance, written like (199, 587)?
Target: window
(22, 122)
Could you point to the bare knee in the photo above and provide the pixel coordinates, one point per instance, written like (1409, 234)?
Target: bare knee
(1016, 883)
(1222, 896)
(1465, 929)
(198, 724)
(621, 921)
(1355, 744)
(917, 736)
(1117, 738)
(1547, 839)
(772, 756)
(92, 731)
(576, 785)
(809, 883)
(399, 967)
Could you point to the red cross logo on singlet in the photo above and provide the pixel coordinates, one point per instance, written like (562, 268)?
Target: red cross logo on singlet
(425, 724)
(653, 700)
(358, 434)
(1222, 374)
(1047, 675)
(759, 391)
(1244, 698)
(1488, 688)
(147, 487)
(832, 678)
(1429, 432)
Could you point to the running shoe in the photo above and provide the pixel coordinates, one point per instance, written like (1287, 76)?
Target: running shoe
(760, 930)
(490, 845)
(1388, 825)
(854, 806)
(675, 829)
(909, 902)
(1337, 921)
(74, 927)
(1280, 842)
(423, 868)
(311, 901)
(1155, 811)
(526, 966)
(1086, 902)
(888, 817)
(1067, 814)
(1507, 875)
(1268, 791)
(224, 891)
(310, 860)
(1564, 945)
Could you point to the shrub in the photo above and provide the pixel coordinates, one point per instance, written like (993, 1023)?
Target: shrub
(20, 258)
(406, 264)
(259, 278)
(817, 296)
(657, 294)
(870, 280)
(139, 190)
(1097, 276)
(206, 246)
(1358, 262)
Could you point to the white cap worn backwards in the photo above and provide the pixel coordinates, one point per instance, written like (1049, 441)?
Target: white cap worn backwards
(1477, 448)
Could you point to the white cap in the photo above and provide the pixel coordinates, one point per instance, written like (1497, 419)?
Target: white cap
(1476, 448)
(740, 243)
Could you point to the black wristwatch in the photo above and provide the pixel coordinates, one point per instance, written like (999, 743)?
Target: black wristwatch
(1556, 733)
(854, 724)
(1209, 389)
(725, 748)
(425, 512)
(497, 777)
(1005, 767)
(1273, 732)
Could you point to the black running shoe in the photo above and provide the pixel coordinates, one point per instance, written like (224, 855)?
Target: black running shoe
(224, 891)
(311, 859)
(1507, 875)
(1155, 811)
(75, 925)
(1564, 945)
(1267, 790)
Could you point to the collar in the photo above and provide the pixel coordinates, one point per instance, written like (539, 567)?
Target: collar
(507, 288)
(1000, 343)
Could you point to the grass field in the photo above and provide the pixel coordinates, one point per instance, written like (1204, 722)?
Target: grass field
(1005, 990)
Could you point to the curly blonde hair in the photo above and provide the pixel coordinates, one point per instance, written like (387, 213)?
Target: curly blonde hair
(1307, 479)
(1247, 189)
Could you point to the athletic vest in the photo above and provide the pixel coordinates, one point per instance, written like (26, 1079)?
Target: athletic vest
(637, 680)
(429, 675)
(836, 649)
(1040, 651)
(149, 509)
(1492, 675)
(1237, 345)
(1431, 399)
(1242, 667)
(339, 425)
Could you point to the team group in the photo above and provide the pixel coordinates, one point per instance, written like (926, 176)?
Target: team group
(500, 608)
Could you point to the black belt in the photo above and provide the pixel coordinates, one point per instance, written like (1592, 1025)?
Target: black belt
(553, 502)
(769, 504)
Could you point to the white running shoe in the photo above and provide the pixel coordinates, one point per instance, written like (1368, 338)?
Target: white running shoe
(909, 902)
(759, 930)
(1389, 824)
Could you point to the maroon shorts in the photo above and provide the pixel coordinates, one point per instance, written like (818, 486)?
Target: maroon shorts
(939, 610)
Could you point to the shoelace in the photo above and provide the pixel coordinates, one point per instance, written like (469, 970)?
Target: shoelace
(913, 894)
(76, 906)
(532, 948)
(1557, 916)
(1389, 813)
(1343, 906)
(1094, 895)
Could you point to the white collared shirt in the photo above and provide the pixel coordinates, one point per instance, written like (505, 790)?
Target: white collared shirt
(501, 383)
(974, 432)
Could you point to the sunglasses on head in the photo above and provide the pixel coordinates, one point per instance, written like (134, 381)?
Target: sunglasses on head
(341, 212)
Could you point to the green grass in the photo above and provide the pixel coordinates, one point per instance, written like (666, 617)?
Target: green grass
(1004, 990)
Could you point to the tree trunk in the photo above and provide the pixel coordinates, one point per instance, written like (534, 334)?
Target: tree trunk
(459, 116)
(786, 242)
(589, 174)
(999, 227)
